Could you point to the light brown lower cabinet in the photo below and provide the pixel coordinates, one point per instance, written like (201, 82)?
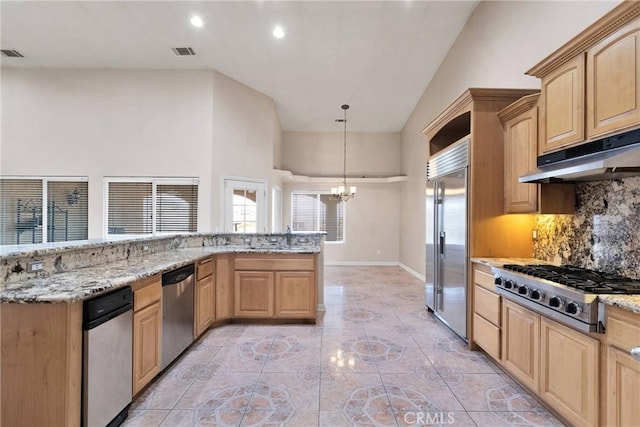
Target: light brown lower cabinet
(622, 370)
(486, 311)
(204, 296)
(521, 343)
(275, 287)
(253, 294)
(295, 294)
(224, 287)
(569, 372)
(559, 364)
(623, 389)
(41, 364)
(147, 331)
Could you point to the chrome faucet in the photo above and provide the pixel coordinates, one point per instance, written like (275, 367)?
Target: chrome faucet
(288, 235)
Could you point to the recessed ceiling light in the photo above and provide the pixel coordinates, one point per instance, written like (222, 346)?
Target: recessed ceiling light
(278, 32)
(196, 21)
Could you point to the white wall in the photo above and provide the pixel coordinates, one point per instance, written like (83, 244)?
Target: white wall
(371, 223)
(246, 128)
(500, 42)
(100, 123)
(372, 217)
(321, 153)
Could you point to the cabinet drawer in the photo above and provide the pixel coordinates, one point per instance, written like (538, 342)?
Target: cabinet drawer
(303, 263)
(148, 295)
(205, 268)
(623, 328)
(487, 305)
(484, 278)
(486, 336)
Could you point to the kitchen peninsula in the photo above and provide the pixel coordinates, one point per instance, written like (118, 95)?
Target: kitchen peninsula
(41, 313)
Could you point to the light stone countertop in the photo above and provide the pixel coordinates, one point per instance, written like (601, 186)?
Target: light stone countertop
(499, 262)
(86, 282)
(628, 302)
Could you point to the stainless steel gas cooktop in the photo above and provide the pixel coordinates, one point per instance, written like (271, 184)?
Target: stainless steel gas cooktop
(567, 294)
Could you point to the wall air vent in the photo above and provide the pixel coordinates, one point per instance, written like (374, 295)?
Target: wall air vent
(11, 53)
(183, 51)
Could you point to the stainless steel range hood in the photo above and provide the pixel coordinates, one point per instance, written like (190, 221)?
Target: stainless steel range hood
(613, 157)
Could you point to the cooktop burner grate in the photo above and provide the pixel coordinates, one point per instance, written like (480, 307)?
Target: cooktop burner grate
(582, 279)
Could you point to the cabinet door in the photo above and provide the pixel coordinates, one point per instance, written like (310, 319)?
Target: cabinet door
(613, 82)
(205, 296)
(147, 345)
(520, 152)
(569, 366)
(623, 389)
(295, 295)
(521, 343)
(562, 106)
(253, 294)
(224, 287)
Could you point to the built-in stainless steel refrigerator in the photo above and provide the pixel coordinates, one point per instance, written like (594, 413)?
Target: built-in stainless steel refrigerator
(446, 236)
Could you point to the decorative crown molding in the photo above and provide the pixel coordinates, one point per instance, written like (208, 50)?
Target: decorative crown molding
(603, 27)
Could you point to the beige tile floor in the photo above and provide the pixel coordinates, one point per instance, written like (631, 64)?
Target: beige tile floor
(375, 358)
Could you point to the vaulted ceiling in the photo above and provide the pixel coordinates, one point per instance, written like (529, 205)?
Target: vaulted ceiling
(376, 56)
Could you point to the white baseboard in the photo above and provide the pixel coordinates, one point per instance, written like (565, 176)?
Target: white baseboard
(363, 263)
(412, 272)
(373, 263)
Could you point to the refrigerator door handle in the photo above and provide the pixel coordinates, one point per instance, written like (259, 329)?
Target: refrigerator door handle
(442, 242)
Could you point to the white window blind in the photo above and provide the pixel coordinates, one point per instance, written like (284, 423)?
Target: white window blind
(318, 212)
(130, 208)
(24, 219)
(68, 211)
(177, 208)
(146, 206)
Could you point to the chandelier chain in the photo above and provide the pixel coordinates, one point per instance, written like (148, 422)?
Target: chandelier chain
(343, 192)
(344, 169)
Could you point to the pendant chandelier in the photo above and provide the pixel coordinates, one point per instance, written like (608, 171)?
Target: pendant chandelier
(343, 192)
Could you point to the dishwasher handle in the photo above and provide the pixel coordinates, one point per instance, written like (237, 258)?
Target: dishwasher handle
(87, 325)
(179, 275)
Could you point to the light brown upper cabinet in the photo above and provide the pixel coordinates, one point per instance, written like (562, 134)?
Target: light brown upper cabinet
(591, 85)
(473, 116)
(613, 82)
(561, 106)
(520, 123)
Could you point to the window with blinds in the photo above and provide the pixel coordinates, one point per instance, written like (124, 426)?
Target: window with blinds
(152, 206)
(176, 208)
(318, 212)
(38, 210)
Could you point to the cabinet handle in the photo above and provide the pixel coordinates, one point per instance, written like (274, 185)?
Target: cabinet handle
(635, 353)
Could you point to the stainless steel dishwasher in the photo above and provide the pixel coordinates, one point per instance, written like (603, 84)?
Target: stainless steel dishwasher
(107, 358)
(177, 312)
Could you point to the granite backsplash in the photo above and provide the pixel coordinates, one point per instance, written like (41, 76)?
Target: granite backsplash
(604, 232)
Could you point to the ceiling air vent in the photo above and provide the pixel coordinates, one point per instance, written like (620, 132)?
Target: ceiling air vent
(11, 53)
(183, 51)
